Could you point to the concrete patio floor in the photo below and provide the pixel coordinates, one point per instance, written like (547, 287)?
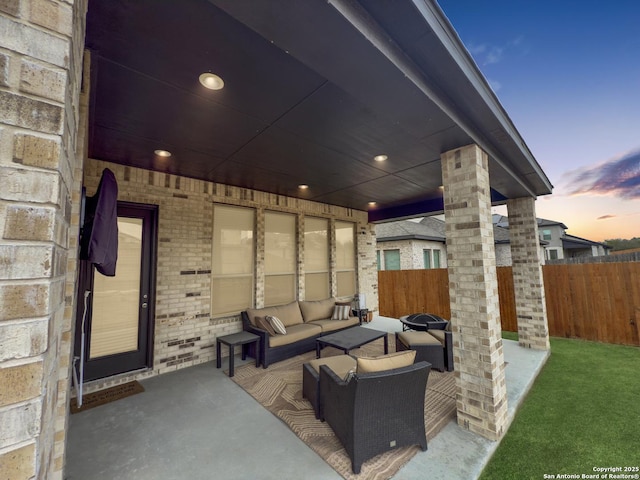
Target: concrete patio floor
(196, 423)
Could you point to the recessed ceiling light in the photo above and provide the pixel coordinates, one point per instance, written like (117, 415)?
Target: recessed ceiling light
(380, 158)
(162, 153)
(303, 187)
(211, 81)
(372, 204)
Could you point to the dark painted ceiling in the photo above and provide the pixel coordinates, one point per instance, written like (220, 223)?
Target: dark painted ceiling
(309, 98)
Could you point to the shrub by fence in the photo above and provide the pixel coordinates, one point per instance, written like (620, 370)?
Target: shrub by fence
(598, 301)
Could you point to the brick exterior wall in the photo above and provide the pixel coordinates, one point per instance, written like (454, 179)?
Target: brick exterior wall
(473, 290)
(531, 308)
(185, 332)
(503, 255)
(41, 59)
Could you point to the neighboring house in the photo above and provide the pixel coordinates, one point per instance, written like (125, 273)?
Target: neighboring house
(411, 244)
(421, 243)
(560, 244)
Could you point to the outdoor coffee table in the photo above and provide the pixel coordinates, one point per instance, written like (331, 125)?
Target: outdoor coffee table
(351, 338)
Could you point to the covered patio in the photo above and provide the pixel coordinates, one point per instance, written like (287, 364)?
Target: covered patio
(223, 427)
(347, 112)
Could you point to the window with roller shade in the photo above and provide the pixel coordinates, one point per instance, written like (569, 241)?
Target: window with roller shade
(232, 277)
(279, 258)
(345, 259)
(316, 258)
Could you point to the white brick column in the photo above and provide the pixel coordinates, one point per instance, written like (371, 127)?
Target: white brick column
(531, 308)
(473, 289)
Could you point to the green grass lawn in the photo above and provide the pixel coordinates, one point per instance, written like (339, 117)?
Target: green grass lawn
(582, 412)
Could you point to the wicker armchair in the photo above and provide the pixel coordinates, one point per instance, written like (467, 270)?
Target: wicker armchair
(375, 412)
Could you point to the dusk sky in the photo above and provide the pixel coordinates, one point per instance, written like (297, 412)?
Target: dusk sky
(568, 75)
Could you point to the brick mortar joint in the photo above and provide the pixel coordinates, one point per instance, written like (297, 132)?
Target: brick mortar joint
(27, 22)
(31, 96)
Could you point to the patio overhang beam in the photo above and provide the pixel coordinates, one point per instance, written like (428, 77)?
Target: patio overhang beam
(426, 207)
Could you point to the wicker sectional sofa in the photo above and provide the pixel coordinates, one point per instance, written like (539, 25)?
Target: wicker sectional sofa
(304, 321)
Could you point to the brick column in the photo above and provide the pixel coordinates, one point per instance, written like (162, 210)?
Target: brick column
(40, 170)
(333, 277)
(300, 277)
(473, 289)
(531, 309)
(366, 264)
(259, 258)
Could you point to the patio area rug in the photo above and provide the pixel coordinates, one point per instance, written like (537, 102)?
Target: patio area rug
(279, 390)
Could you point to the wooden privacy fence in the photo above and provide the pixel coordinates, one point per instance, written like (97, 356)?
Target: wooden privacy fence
(599, 301)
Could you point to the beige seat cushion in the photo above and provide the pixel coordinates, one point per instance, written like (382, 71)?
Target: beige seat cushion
(410, 338)
(317, 309)
(332, 325)
(439, 334)
(340, 364)
(295, 333)
(386, 362)
(288, 314)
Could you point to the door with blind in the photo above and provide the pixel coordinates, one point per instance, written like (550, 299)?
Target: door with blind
(114, 321)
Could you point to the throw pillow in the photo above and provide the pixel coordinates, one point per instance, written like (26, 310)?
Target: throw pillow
(277, 324)
(341, 312)
(261, 322)
(386, 362)
(339, 302)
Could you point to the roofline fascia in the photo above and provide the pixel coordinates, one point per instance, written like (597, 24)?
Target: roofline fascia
(586, 240)
(379, 38)
(411, 237)
(442, 28)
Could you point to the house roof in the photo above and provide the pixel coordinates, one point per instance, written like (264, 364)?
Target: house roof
(410, 230)
(503, 221)
(501, 234)
(313, 91)
(543, 222)
(429, 228)
(570, 242)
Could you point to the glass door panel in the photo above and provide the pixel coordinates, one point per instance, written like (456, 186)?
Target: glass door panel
(115, 319)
